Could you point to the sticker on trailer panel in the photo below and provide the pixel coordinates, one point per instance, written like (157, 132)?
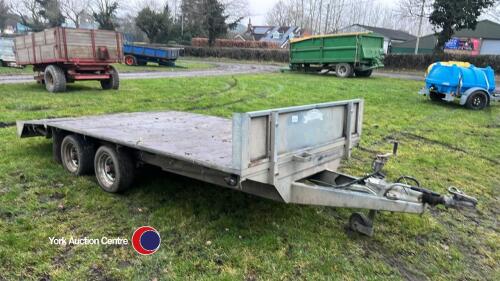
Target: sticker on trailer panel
(295, 118)
(313, 114)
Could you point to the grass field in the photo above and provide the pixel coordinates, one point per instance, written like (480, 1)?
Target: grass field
(210, 233)
(181, 65)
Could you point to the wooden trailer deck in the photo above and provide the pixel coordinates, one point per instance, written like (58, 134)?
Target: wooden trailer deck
(199, 139)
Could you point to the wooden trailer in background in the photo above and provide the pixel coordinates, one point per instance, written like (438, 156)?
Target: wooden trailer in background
(63, 55)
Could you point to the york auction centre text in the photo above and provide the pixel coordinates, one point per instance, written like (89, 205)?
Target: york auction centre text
(88, 241)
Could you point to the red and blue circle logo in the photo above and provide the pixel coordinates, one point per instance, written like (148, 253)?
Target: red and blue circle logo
(146, 240)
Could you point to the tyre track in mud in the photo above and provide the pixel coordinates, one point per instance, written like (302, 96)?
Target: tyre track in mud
(445, 145)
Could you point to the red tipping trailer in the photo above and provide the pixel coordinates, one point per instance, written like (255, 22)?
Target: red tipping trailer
(63, 55)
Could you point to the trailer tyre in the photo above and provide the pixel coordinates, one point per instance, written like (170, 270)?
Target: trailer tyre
(114, 170)
(363, 73)
(343, 70)
(77, 155)
(113, 82)
(54, 78)
(130, 60)
(437, 97)
(360, 223)
(57, 139)
(477, 100)
(170, 63)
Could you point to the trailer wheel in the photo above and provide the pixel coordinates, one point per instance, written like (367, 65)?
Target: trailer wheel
(114, 170)
(343, 70)
(113, 82)
(170, 63)
(130, 60)
(54, 78)
(76, 155)
(437, 97)
(363, 73)
(57, 139)
(360, 223)
(477, 100)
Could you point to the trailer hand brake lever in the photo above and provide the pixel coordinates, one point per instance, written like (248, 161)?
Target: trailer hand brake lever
(380, 160)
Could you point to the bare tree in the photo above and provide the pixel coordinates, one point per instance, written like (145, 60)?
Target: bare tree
(494, 13)
(73, 10)
(104, 13)
(4, 12)
(236, 9)
(327, 16)
(279, 14)
(416, 9)
(29, 13)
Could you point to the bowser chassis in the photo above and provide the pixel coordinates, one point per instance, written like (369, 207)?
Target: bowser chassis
(287, 154)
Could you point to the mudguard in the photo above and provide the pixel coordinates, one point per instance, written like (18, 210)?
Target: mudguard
(466, 94)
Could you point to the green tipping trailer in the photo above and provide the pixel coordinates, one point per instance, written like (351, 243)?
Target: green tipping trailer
(347, 54)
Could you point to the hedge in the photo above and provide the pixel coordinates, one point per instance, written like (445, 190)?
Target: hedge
(421, 62)
(392, 61)
(277, 55)
(233, 43)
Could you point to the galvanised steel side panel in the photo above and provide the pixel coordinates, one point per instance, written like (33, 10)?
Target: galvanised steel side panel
(274, 145)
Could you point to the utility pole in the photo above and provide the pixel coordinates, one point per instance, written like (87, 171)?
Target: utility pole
(420, 26)
(182, 26)
(327, 18)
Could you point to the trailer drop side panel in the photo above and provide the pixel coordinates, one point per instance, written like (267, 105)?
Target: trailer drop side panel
(69, 45)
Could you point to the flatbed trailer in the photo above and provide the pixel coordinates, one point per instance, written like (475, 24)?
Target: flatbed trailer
(286, 154)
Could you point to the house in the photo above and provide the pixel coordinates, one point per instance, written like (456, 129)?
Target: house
(391, 36)
(484, 40)
(12, 26)
(276, 34)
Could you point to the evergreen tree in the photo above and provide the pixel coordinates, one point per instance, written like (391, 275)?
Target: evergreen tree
(156, 25)
(104, 13)
(205, 18)
(51, 12)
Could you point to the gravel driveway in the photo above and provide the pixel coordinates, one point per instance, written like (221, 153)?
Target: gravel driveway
(219, 69)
